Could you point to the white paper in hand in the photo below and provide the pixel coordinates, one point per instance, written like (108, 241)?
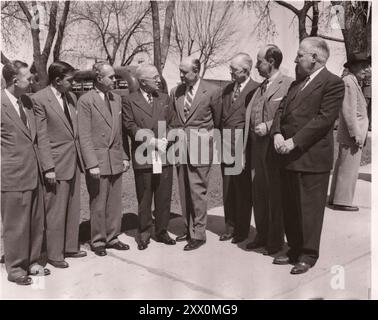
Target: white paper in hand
(157, 166)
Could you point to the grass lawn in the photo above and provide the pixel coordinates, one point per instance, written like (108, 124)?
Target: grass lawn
(130, 205)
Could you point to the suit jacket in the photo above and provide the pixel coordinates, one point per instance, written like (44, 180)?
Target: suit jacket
(58, 143)
(308, 117)
(138, 114)
(353, 118)
(19, 151)
(233, 113)
(100, 133)
(204, 114)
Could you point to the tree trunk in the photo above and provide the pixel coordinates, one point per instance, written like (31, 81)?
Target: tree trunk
(61, 28)
(156, 34)
(167, 31)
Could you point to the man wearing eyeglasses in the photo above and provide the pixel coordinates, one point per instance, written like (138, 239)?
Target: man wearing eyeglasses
(143, 111)
(105, 156)
(58, 142)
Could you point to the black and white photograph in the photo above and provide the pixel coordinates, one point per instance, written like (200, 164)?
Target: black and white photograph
(187, 150)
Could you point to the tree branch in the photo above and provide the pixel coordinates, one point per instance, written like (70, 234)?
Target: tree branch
(330, 38)
(288, 6)
(61, 28)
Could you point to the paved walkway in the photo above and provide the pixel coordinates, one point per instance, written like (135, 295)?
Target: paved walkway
(217, 270)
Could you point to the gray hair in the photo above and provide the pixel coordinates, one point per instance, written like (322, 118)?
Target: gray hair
(98, 66)
(144, 70)
(318, 46)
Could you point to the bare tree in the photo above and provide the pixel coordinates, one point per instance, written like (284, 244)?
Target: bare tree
(118, 26)
(205, 29)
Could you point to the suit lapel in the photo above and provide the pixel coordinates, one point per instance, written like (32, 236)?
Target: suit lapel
(239, 102)
(358, 86)
(57, 108)
(197, 99)
(142, 104)
(73, 111)
(12, 113)
(99, 104)
(30, 116)
(180, 97)
(115, 117)
(274, 87)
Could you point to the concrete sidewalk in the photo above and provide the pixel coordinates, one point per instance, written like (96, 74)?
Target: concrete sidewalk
(217, 270)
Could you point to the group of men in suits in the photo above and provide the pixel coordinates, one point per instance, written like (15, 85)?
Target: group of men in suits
(286, 143)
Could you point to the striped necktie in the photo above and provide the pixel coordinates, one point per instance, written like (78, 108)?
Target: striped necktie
(188, 102)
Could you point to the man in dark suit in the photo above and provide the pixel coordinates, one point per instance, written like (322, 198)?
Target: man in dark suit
(58, 142)
(196, 104)
(105, 156)
(21, 191)
(237, 195)
(143, 111)
(303, 136)
(267, 207)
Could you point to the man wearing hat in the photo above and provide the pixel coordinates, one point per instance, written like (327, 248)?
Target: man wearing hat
(351, 134)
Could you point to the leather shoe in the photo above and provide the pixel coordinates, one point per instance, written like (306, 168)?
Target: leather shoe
(23, 281)
(300, 267)
(142, 245)
(100, 251)
(118, 246)
(40, 271)
(238, 239)
(166, 239)
(270, 251)
(194, 244)
(282, 260)
(79, 254)
(254, 245)
(225, 236)
(183, 237)
(339, 207)
(58, 264)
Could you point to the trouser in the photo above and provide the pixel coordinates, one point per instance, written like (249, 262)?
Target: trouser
(105, 208)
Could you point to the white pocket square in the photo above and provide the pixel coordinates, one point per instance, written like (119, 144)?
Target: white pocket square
(278, 99)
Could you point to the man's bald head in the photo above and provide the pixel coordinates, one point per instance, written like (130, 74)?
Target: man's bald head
(269, 59)
(240, 67)
(189, 70)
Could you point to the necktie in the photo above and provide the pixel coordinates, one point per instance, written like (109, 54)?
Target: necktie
(149, 98)
(188, 102)
(236, 92)
(264, 85)
(66, 112)
(107, 102)
(22, 113)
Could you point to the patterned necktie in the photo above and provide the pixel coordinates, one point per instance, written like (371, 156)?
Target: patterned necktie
(66, 112)
(236, 92)
(264, 85)
(22, 113)
(188, 102)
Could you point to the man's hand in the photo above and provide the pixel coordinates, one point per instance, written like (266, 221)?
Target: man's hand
(159, 144)
(261, 129)
(126, 165)
(95, 172)
(50, 177)
(287, 146)
(278, 142)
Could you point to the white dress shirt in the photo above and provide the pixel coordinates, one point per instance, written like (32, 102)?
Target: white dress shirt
(58, 96)
(312, 76)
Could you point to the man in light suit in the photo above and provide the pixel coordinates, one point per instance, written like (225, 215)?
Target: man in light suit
(105, 155)
(267, 207)
(303, 136)
(21, 191)
(58, 142)
(144, 109)
(351, 135)
(196, 104)
(237, 196)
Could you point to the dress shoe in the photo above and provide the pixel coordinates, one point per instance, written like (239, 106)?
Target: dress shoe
(225, 236)
(142, 245)
(300, 267)
(194, 244)
(23, 281)
(254, 245)
(183, 237)
(118, 246)
(166, 239)
(40, 272)
(238, 239)
(58, 264)
(282, 260)
(270, 251)
(339, 207)
(79, 254)
(100, 251)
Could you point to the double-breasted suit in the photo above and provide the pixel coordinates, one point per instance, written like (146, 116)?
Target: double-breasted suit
(102, 145)
(193, 176)
(353, 122)
(267, 208)
(307, 116)
(21, 191)
(237, 195)
(58, 143)
(139, 114)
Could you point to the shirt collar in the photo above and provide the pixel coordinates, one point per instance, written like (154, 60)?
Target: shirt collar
(56, 92)
(145, 94)
(273, 77)
(12, 98)
(195, 86)
(314, 74)
(102, 95)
